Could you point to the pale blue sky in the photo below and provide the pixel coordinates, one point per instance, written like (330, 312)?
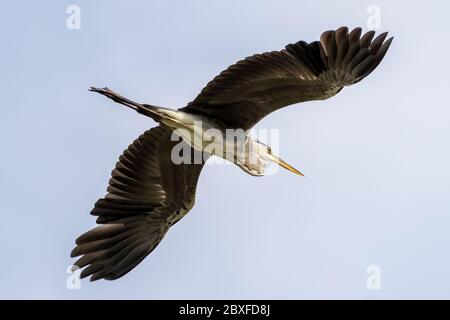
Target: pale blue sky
(376, 157)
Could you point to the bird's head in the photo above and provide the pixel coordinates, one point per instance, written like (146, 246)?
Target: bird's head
(258, 157)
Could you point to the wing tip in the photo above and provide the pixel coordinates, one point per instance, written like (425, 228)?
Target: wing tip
(357, 56)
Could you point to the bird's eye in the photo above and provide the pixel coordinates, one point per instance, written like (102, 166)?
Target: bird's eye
(269, 149)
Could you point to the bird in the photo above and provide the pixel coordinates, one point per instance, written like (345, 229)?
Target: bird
(149, 192)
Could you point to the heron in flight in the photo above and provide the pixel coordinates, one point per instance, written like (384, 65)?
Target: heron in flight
(148, 193)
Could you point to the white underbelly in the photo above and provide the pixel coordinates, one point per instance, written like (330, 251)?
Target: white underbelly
(203, 135)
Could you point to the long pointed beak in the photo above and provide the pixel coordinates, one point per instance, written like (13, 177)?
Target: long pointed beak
(285, 165)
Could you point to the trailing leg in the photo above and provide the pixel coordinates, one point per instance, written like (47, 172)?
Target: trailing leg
(145, 109)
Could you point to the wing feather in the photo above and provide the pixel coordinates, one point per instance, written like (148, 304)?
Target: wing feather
(252, 88)
(145, 191)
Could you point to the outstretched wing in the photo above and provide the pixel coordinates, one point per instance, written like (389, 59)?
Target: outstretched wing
(252, 88)
(147, 193)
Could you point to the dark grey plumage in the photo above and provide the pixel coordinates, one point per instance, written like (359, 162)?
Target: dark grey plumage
(252, 88)
(148, 193)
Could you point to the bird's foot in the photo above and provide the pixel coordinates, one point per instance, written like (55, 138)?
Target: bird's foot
(107, 92)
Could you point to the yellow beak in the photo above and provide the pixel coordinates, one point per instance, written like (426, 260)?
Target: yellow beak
(286, 166)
